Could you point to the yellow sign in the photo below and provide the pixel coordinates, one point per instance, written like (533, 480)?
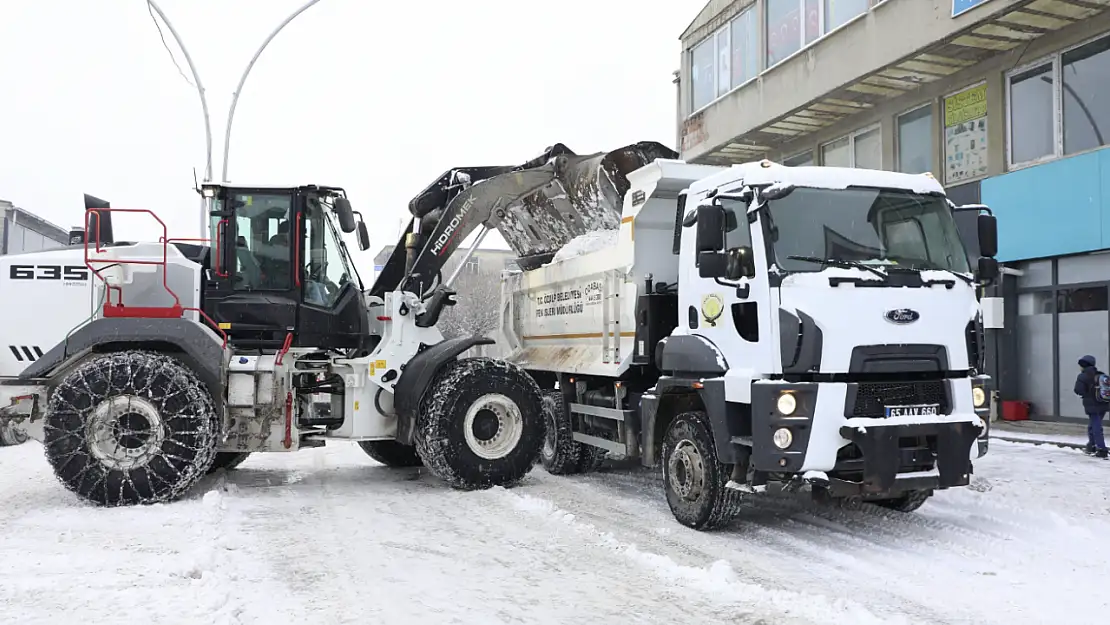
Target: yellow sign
(712, 305)
(965, 106)
(225, 326)
(377, 365)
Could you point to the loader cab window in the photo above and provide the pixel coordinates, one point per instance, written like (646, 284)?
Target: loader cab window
(326, 268)
(262, 250)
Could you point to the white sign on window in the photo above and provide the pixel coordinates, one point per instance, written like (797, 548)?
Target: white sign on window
(965, 135)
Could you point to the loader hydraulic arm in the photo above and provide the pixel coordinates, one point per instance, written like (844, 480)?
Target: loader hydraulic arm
(538, 207)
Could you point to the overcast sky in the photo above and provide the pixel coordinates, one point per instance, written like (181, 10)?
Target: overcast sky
(377, 97)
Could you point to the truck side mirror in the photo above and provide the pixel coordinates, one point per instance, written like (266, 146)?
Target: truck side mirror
(741, 263)
(988, 235)
(363, 236)
(988, 269)
(345, 214)
(711, 229)
(713, 264)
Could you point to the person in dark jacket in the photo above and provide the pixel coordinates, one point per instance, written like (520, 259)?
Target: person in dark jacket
(1086, 386)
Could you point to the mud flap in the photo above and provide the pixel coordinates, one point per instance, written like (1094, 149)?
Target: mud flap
(417, 376)
(882, 456)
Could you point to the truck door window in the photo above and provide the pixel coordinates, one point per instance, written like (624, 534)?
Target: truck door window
(326, 269)
(262, 250)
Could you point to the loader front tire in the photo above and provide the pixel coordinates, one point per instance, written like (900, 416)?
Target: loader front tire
(228, 460)
(392, 454)
(480, 424)
(133, 427)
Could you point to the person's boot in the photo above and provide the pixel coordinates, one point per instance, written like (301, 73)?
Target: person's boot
(1101, 453)
(1089, 449)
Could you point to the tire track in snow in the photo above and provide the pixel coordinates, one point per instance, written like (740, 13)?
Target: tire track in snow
(718, 580)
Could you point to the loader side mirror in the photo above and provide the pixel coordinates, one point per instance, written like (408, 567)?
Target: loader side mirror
(711, 229)
(741, 263)
(363, 236)
(988, 235)
(345, 214)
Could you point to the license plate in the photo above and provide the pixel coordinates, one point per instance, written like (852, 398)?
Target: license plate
(920, 410)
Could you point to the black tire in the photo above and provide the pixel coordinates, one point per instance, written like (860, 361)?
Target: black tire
(907, 502)
(132, 427)
(693, 479)
(591, 458)
(560, 453)
(392, 454)
(507, 412)
(228, 460)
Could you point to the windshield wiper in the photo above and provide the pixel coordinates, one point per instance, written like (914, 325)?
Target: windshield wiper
(841, 263)
(919, 270)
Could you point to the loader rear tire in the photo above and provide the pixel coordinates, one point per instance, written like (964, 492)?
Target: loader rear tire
(560, 453)
(133, 427)
(228, 460)
(480, 424)
(392, 454)
(693, 478)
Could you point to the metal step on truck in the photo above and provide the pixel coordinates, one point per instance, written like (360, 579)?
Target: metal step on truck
(805, 328)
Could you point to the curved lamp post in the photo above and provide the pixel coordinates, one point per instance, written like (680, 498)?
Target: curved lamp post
(243, 79)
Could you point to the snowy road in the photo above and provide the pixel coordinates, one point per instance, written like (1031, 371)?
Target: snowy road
(326, 536)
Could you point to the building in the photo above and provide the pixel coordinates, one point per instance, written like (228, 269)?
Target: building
(1003, 100)
(22, 231)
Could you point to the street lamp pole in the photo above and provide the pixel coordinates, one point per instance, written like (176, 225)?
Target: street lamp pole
(203, 106)
(243, 79)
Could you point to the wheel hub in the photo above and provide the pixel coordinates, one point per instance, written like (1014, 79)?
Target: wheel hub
(493, 426)
(686, 471)
(125, 432)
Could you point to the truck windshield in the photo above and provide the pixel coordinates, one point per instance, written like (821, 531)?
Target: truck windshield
(880, 226)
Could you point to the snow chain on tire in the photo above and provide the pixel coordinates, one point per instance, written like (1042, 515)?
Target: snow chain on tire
(134, 427)
(561, 453)
(480, 424)
(701, 500)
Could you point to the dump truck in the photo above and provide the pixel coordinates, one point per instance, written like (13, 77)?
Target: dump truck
(755, 326)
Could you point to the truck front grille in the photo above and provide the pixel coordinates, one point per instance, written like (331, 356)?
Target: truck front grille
(872, 397)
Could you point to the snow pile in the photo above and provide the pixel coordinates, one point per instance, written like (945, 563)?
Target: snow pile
(718, 580)
(586, 243)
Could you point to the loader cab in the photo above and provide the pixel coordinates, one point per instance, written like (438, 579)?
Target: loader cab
(279, 266)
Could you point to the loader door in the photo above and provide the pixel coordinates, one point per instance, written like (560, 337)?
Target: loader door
(278, 269)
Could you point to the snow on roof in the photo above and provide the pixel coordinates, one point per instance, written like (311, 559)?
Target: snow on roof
(767, 172)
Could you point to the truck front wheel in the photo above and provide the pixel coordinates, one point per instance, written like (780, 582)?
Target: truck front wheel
(132, 427)
(481, 424)
(693, 478)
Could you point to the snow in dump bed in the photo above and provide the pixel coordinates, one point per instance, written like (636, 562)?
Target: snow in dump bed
(586, 243)
(1021, 545)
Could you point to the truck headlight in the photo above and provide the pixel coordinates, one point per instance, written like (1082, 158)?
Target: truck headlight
(978, 396)
(787, 404)
(782, 438)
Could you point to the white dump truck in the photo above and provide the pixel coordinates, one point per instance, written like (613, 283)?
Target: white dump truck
(761, 325)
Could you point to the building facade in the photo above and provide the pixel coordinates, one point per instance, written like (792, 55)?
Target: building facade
(1007, 102)
(22, 231)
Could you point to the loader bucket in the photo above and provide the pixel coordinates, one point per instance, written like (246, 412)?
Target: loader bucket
(587, 195)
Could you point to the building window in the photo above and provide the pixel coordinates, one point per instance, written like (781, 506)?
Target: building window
(1035, 303)
(1061, 106)
(703, 74)
(745, 47)
(840, 12)
(473, 265)
(915, 141)
(791, 24)
(965, 135)
(1081, 300)
(862, 149)
(805, 159)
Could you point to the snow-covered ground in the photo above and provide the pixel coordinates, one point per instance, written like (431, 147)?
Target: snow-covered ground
(326, 536)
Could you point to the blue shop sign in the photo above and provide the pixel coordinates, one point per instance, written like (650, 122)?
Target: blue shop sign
(962, 6)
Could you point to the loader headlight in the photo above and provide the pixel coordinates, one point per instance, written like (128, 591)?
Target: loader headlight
(978, 396)
(787, 404)
(782, 438)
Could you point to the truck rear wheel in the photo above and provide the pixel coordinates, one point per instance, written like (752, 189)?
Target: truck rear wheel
(391, 453)
(480, 424)
(228, 460)
(132, 427)
(693, 478)
(560, 453)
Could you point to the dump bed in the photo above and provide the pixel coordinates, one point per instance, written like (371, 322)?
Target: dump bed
(577, 314)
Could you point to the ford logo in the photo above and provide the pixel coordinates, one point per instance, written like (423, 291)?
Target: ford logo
(902, 316)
